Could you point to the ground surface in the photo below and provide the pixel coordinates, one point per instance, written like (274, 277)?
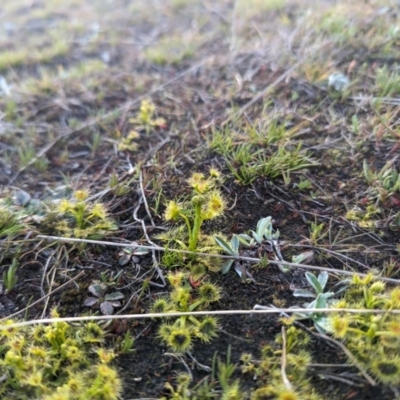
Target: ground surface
(235, 83)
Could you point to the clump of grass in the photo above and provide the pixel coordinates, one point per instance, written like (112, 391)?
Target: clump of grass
(383, 183)
(219, 385)
(10, 276)
(171, 50)
(12, 58)
(10, 224)
(264, 149)
(18, 57)
(387, 83)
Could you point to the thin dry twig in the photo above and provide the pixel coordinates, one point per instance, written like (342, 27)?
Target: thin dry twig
(199, 364)
(146, 205)
(44, 297)
(341, 345)
(343, 380)
(234, 336)
(51, 273)
(350, 355)
(179, 357)
(251, 259)
(392, 131)
(50, 283)
(196, 313)
(46, 266)
(141, 221)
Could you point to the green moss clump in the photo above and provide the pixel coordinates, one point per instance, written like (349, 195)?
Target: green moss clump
(374, 339)
(56, 361)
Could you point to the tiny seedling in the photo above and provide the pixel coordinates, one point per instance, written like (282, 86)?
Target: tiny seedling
(338, 81)
(231, 248)
(316, 232)
(130, 254)
(10, 276)
(383, 183)
(264, 231)
(265, 238)
(9, 222)
(107, 301)
(125, 346)
(321, 299)
(304, 184)
(303, 258)
(317, 284)
(321, 322)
